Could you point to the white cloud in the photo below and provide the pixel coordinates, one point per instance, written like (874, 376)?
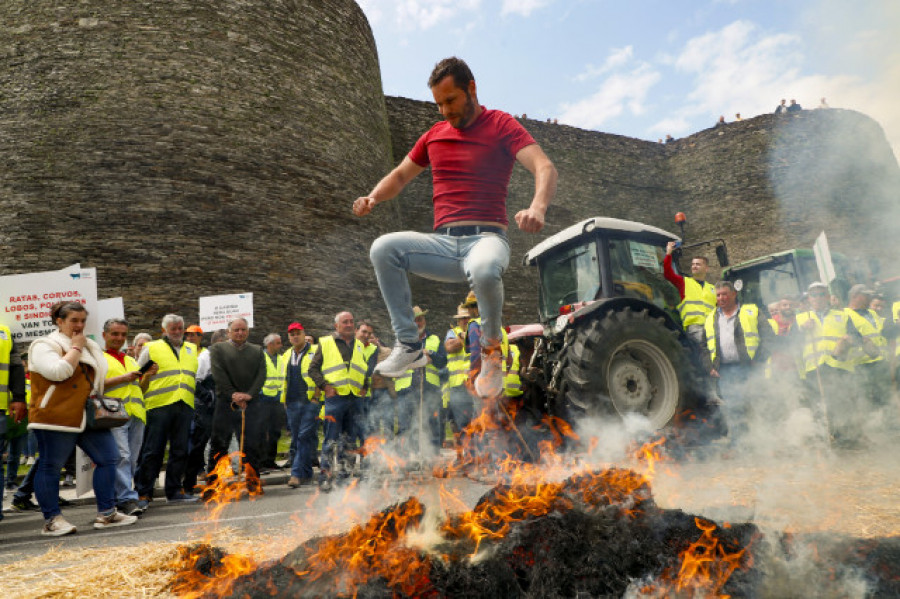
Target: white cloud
(412, 15)
(617, 58)
(619, 93)
(522, 7)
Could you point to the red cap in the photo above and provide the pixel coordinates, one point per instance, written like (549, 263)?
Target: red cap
(194, 329)
(295, 326)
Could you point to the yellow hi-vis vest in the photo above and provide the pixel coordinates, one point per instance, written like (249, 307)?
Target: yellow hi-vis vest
(748, 315)
(347, 378)
(304, 371)
(871, 332)
(368, 350)
(821, 341)
(130, 393)
(896, 311)
(274, 375)
(6, 346)
(174, 381)
(458, 363)
(432, 344)
(512, 383)
(699, 301)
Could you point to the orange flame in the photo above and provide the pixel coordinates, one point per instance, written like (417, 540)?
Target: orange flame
(706, 565)
(373, 550)
(201, 572)
(224, 487)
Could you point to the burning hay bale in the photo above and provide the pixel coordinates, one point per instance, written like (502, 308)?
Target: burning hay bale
(594, 534)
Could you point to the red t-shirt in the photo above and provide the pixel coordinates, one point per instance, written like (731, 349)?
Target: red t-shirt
(471, 167)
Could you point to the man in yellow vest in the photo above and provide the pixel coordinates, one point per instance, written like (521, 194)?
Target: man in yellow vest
(737, 337)
(339, 369)
(460, 402)
(419, 390)
(698, 298)
(273, 415)
(301, 403)
(169, 401)
(239, 371)
(124, 382)
(829, 375)
(866, 335)
(12, 389)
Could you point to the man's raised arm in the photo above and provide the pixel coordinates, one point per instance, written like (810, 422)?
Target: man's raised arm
(388, 188)
(532, 157)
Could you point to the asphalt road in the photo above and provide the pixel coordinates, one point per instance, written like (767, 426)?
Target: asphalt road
(276, 513)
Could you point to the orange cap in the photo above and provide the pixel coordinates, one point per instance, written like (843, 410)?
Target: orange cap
(194, 329)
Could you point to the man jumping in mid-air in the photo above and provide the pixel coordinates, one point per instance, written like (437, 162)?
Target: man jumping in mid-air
(471, 154)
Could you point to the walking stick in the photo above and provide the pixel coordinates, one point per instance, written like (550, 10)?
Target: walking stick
(241, 474)
(422, 412)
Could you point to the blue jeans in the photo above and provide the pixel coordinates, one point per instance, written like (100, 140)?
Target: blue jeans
(55, 447)
(380, 414)
(303, 420)
(462, 406)
(479, 259)
(338, 411)
(408, 402)
(128, 440)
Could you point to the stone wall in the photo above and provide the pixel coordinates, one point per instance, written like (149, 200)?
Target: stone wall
(193, 147)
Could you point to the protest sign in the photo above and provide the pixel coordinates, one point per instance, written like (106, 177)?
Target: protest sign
(26, 300)
(216, 311)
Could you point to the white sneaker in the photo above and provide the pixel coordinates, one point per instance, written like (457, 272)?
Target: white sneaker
(489, 383)
(117, 518)
(57, 526)
(402, 358)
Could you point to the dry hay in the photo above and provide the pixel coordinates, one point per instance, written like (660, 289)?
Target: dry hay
(141, 571)
(114, 572)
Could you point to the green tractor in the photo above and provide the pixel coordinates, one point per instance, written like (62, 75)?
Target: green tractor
(767, 279)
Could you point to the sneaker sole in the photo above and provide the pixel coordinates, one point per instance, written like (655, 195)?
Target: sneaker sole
(58, 533)
(417, 363)
(100, 526)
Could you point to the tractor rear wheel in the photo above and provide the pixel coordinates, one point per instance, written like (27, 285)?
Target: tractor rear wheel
(627, 362)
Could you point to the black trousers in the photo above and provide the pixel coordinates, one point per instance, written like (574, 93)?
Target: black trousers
(274, 418)
(227, 422)
(201, 430)
(170, 425)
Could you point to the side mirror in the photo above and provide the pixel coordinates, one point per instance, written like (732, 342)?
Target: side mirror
(722, 255)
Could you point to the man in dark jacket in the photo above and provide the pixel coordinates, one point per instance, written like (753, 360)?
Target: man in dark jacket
(239, 372)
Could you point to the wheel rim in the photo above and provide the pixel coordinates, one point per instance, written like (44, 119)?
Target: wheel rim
(642, 380)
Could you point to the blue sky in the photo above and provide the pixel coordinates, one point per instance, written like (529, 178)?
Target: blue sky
(645, 68)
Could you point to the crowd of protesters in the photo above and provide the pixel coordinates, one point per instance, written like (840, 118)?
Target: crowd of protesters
(194, 404)
(841, 362)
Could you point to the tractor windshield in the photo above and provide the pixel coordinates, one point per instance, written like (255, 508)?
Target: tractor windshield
(637, 271)
(569, 277)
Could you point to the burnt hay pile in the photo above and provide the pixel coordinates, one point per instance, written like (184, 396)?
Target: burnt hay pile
(584, 537)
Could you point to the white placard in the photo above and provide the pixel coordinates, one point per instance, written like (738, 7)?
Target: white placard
(216, 311)
(84, 473)
(823, 259)
(644, 255)
(25, 300)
